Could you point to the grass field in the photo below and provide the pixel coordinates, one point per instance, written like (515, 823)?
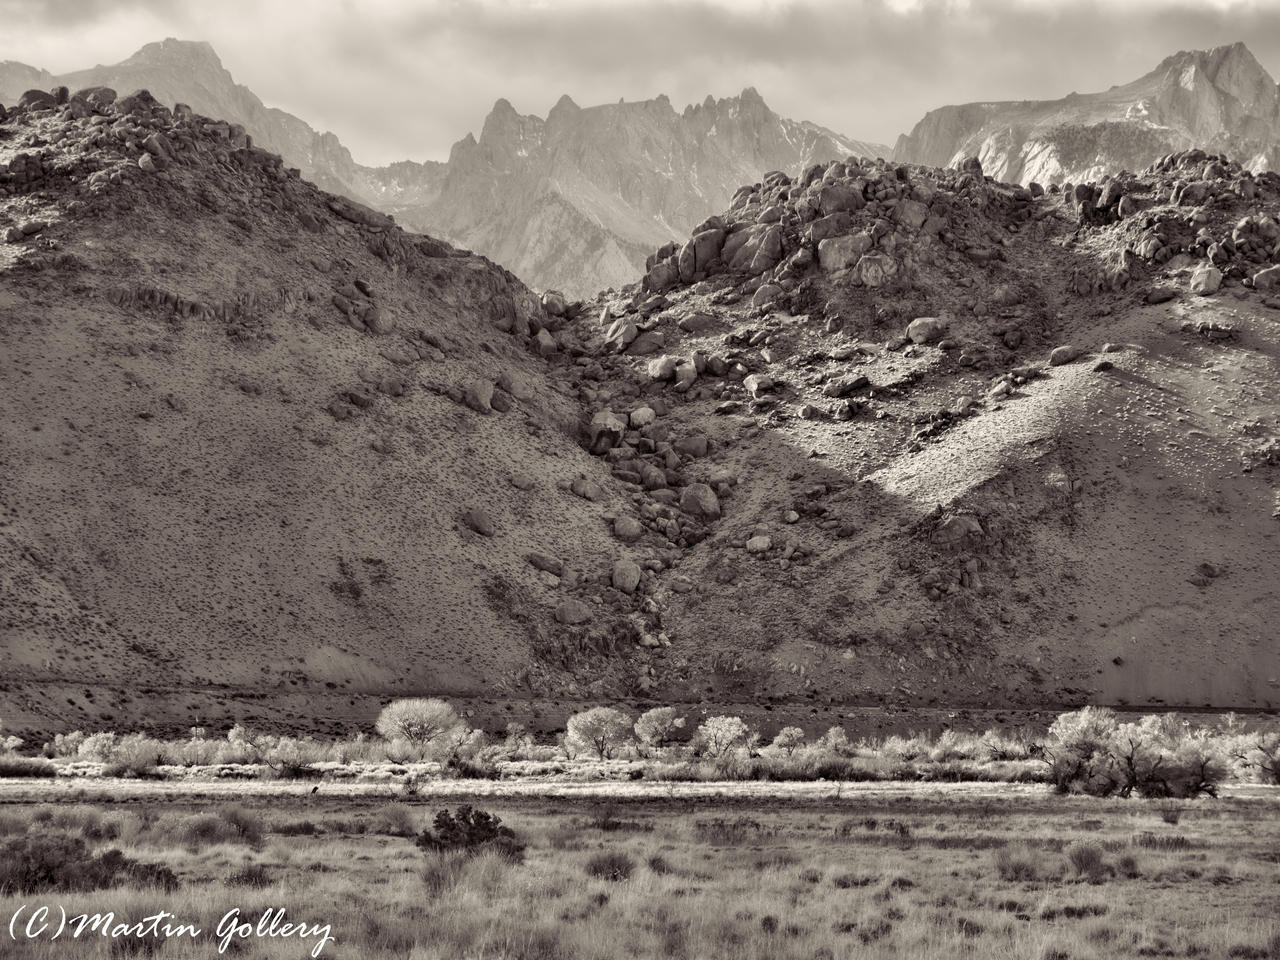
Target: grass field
(1010, 872)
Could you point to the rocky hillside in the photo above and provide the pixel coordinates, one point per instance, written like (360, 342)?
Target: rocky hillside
(876, 437)
(573, 202)
(1220, 100)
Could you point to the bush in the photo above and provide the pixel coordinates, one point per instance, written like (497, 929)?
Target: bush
(613, 866)
(253, 875)
(1085, 857)
(472, 832)
(397, 820)
(26, 767)
(1017, 864)
(61, 863)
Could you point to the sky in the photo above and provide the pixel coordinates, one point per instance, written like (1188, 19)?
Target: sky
(405, 80)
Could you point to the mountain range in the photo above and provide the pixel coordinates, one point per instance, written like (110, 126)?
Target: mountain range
(1217, 100)
(573, 201)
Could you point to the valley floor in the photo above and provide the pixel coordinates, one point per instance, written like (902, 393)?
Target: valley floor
(980, 870)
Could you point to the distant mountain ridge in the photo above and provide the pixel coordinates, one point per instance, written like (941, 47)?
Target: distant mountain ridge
(573, 201)
(1220, 100)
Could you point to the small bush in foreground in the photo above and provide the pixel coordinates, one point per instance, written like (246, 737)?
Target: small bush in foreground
(253, 875)
(610, 866)
(472, 832)
(1086, 859)
(62, 863)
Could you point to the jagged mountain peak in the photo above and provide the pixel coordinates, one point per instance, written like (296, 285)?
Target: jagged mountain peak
(171, 50)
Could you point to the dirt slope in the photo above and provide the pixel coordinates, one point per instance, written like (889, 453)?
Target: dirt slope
(268, 457)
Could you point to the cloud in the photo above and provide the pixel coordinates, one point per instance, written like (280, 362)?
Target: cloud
(397, 79)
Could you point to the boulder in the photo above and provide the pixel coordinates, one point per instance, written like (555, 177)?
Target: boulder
(628, 529)
(926, 329)
(835, 225)
(686, 374)
(606, 430)
(765, 294)
(699, 500)
(642, 417)
(1065, 354)
(546, 343)
(663, 368)
(478, 395)
(621, 334)
(840, 253)
(911, 214)
(1268, 279)
(1205, 280)
(554, 303)
(696, 445)
(649, 342)
(573, 612)
(626, 576)
(478, 519)
(836, 197)
(664, 275)
(542, 561)
(835, 389)
(759, 544)
(757, 383)
(875, 269)
(586, 489)
(954, 529)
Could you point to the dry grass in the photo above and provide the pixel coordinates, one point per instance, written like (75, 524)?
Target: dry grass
(1027, 877)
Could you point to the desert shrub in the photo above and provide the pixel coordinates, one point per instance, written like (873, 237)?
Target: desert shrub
(418, 720)
(26, 767)
(610, 865)
(1127, 866)
(395, 819)
(246, 825)
(196, 831)
(473, 832)
(62, 863)
(599, 731)
(722, 832)
(1259, 752)
(97, 746)
(1018, 863)
(443, 870)
(253, 875)
(295, 828)
(659, 864)
(1160, 841)
(1086, 859)
(655, 727)
(135, 755)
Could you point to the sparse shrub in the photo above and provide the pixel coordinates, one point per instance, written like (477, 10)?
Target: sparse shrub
(811, 876)
(1170, 812)
(1017, 863)
(26, 767)
(253, 875)
(443, 870)
(473, 832)
(599, 731)
(658, 864)
(1086, 859)
(1161, 841)
(247, 825)
(1127, 867)
(397, 820)
(610, 865)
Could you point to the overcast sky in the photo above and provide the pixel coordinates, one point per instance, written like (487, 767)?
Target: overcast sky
(397, 79)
